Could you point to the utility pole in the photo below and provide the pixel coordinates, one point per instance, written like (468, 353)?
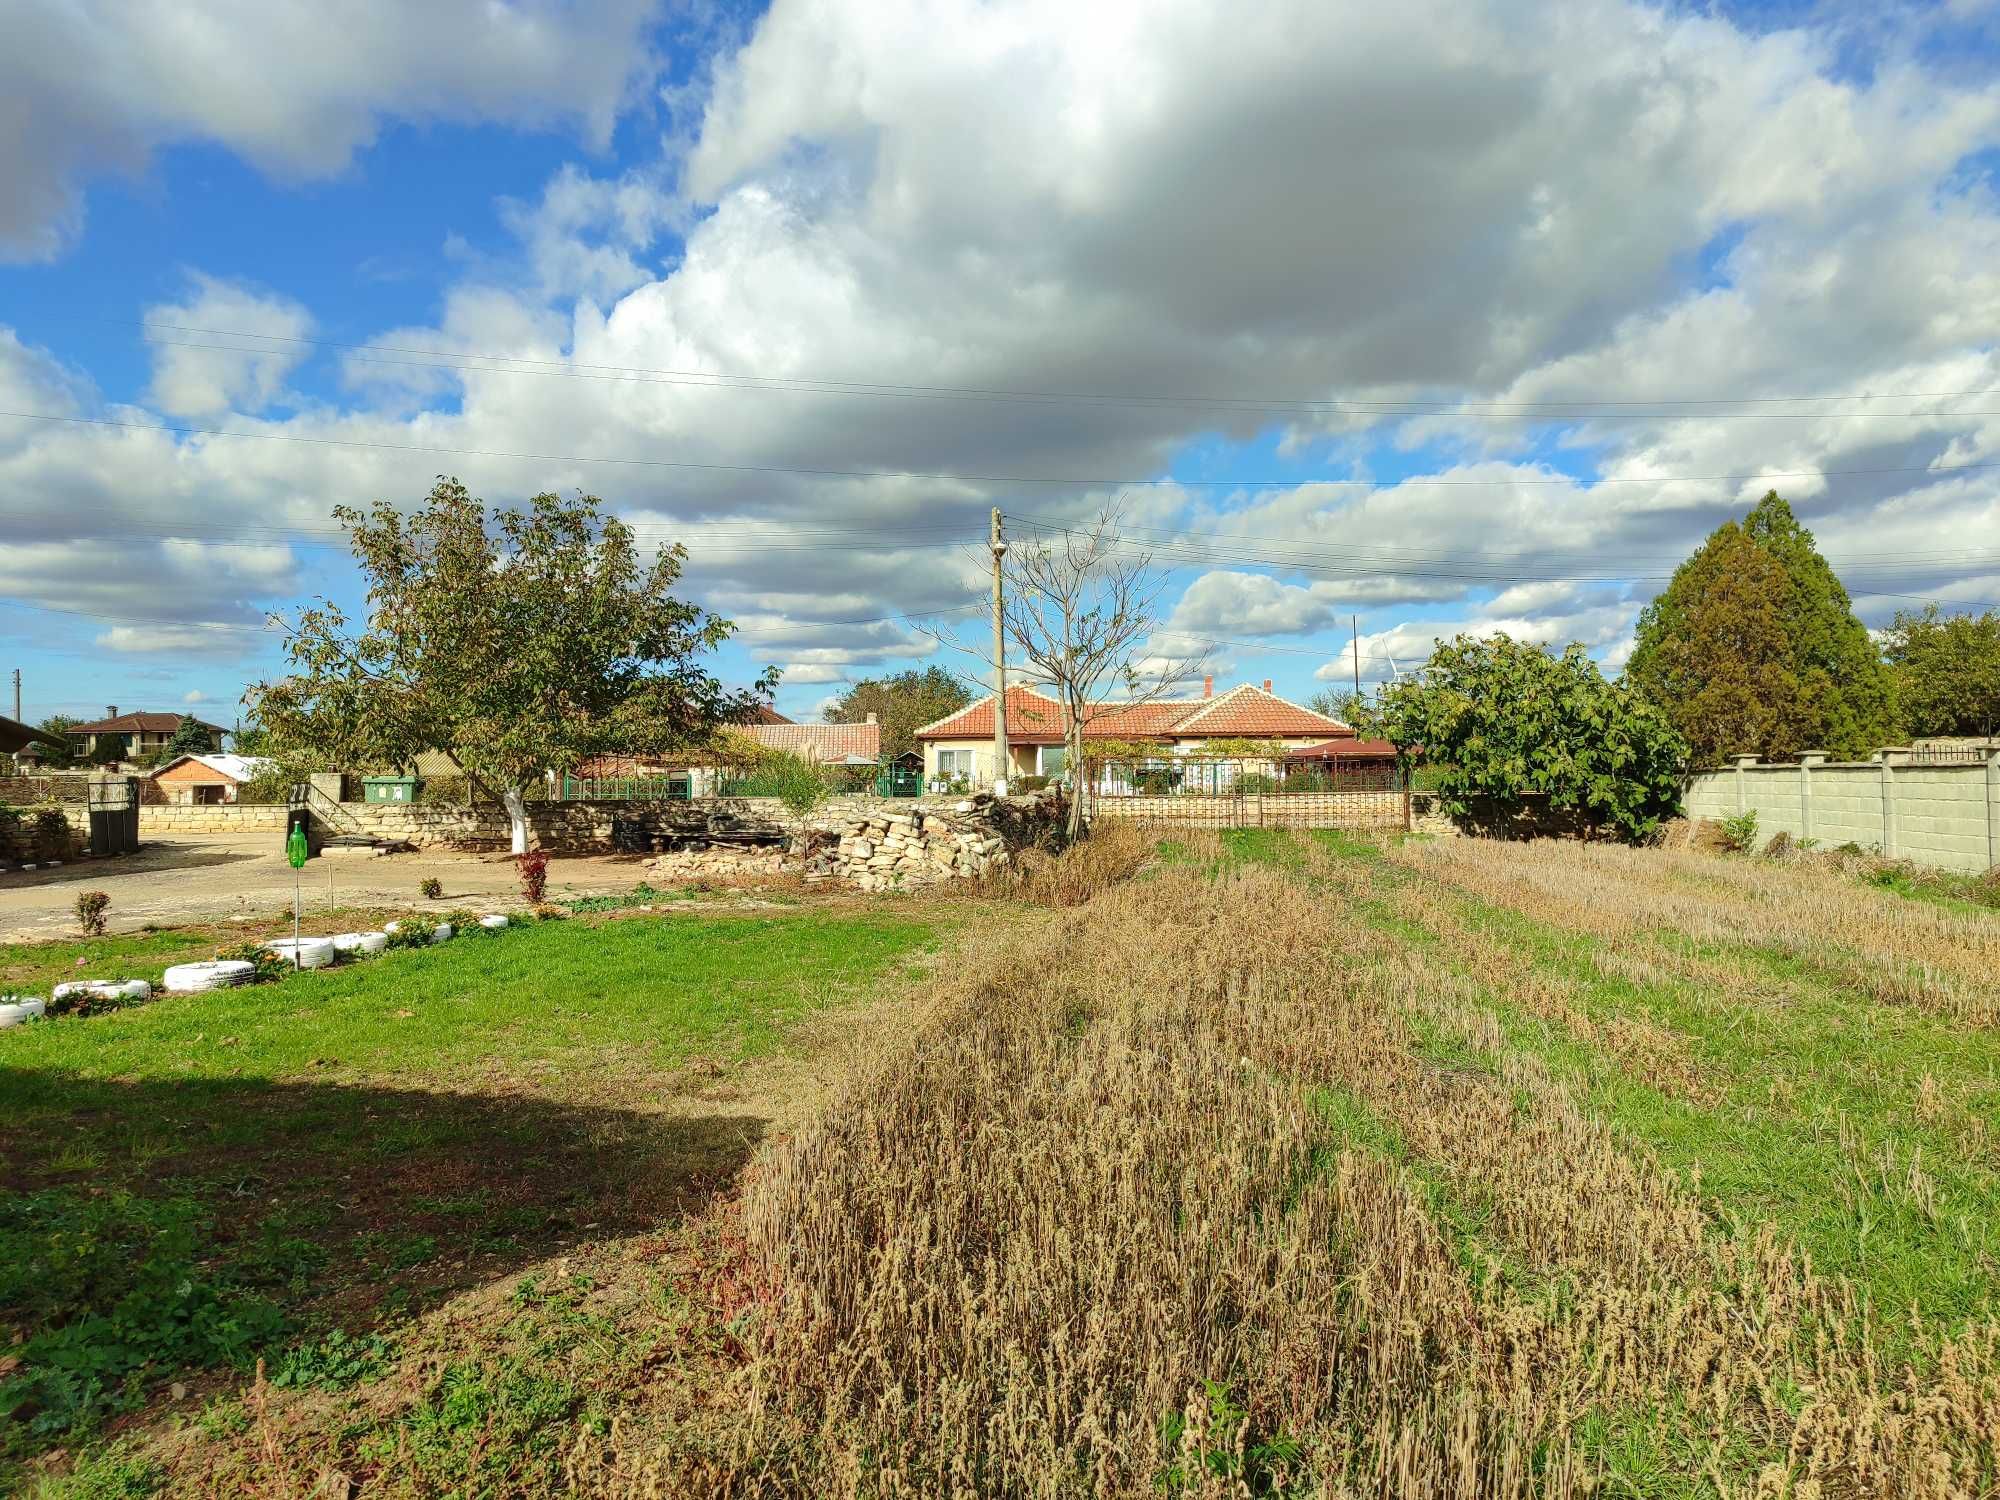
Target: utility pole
(17, 694)
(1355, 620)
(999, 546)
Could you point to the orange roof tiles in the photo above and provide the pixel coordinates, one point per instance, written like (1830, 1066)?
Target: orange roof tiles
(1242, 713)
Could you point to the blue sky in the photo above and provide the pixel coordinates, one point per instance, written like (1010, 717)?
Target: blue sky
(1384, 293)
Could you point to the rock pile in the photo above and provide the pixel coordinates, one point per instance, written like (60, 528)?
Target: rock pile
(730, 862)
(884, 845)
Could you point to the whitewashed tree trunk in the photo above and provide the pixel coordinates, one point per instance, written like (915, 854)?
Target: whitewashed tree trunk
(517, 819)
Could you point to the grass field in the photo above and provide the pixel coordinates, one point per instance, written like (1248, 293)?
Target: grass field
(206, 1180)
(1306, 1165)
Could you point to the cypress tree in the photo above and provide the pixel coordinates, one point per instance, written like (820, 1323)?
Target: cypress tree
(1753, 648)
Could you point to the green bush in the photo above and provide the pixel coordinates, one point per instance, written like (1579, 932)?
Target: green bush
(1739, 834)
(412, 932)
(430, 888)
(799, 783)
(1255, 781)
(90, 909)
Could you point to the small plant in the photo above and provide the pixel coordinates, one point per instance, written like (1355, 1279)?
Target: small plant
(334, 1363)
(267, 963)
(90, 909)
(430, 888)
(534, 876)
(548, 911)
(1255, 781)
(411, 933)
(463, 922)
(1782, 846)
(1739, 834)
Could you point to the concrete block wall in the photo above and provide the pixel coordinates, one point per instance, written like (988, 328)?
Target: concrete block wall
(1946, 816)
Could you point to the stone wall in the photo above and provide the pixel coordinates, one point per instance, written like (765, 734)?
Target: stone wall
(1944, 815)
(884, 844)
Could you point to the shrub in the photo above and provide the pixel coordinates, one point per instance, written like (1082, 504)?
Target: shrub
(90, 909)
(52, 835)
(430, 888)
(799, 783)
(534, 876)
(412, 932)
(1739, 834)
(268, 964)
(1114, 852)
(462, 921)
(1781, 846)
(1255, 781)
(548, 911)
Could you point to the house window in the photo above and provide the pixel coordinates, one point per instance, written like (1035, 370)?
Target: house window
(948, 761)
(1051, 759)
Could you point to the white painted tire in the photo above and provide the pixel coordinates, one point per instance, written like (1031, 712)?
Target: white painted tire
(360, 944)
(217, 974)
(313, 952)
(104, 989)
(441, 933)
(18, 1010)
(493, 923)
(392, 926)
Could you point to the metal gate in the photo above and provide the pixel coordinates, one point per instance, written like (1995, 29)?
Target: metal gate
(114, 816)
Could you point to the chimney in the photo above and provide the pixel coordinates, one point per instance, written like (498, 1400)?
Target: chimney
(1267, 684)
(1208, 687)
(872, 719)
(110, 710)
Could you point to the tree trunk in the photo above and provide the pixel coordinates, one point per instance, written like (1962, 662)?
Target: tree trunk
(1078, 774)
(517, 819)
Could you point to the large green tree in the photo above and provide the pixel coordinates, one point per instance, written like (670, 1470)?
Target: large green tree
(902, 704)
(60, 726)
(1754, 649)
(1501, 719)
(1353, 709)
(1947, 670)
(517, 643)
(190, 738)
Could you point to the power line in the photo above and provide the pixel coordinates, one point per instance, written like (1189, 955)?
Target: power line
(940, 476)
(1548, 410)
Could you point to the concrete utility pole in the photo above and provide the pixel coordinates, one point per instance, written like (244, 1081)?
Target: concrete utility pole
(1355, 620)
(999, 547)
(17, 694)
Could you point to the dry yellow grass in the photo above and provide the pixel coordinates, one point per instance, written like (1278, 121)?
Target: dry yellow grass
(1185, 1192)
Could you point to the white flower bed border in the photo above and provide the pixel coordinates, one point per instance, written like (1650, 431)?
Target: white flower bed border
(228, 973)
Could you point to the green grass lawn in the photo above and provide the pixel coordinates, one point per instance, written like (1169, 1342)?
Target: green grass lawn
(189, 1184)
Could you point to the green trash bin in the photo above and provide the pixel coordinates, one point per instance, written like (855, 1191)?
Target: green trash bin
(388, 789)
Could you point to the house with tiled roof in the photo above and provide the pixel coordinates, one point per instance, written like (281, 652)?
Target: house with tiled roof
(142, 733)
(961, 744)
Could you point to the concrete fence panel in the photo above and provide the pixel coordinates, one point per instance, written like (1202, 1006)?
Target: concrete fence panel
(1943, 815)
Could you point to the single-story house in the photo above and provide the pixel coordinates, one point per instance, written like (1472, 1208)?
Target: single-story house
(829, 744)
(961, 744)
(143, 733)
(205, 779)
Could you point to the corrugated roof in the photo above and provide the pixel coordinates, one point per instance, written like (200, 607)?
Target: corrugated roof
(235, 767)
(1345, 749)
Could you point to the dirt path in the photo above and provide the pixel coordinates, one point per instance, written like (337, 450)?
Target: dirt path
(188, 878)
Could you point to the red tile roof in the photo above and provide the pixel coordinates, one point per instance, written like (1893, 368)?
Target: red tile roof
(763, 713)
(823, 742)
(140, 723)
(1034, 718)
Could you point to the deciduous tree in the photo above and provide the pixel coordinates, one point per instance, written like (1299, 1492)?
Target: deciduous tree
(902, 703)
(516, 644)
(1753, 648)
(1947, 670)
(1500, 718)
